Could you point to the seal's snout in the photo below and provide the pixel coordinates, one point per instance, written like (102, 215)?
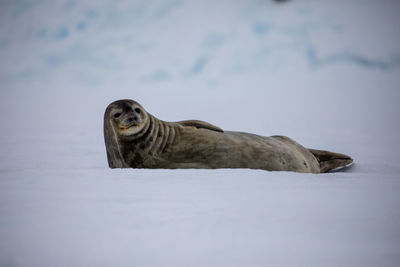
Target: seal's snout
(130, 119)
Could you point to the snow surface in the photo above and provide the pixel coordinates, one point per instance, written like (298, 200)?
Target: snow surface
(325, 73)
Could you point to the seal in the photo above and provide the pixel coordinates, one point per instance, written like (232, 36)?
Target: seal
(136, 139)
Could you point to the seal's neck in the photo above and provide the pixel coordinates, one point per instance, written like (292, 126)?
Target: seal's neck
(153, 138)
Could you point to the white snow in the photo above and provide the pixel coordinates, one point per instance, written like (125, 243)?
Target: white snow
(325, 73)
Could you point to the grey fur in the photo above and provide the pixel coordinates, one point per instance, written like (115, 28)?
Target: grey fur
(136, 139)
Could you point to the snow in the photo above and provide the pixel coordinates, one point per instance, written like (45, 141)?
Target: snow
(325, 73)
(199, 218)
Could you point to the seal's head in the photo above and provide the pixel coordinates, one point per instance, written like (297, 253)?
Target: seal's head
(122, 118)
(126, 116)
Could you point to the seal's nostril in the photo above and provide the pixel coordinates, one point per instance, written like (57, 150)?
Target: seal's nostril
(136, 118)
(129, 120)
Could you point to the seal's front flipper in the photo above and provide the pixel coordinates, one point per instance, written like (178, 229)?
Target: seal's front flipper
(200, 124)
(330, 160)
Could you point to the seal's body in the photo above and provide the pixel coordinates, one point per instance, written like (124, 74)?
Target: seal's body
(136, 139)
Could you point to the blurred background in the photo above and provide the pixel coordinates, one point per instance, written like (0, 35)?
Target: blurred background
(324, 73)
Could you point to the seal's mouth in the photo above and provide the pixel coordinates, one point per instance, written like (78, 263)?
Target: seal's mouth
(126, 127)
(128, 123)
(128, 130)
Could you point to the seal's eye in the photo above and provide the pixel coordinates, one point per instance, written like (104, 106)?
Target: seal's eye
(117, 115)
(137, 110)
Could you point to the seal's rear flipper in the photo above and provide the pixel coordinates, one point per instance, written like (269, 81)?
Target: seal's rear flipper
(330, 160)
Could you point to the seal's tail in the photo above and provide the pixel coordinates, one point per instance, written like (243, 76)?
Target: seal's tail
(330, 160)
